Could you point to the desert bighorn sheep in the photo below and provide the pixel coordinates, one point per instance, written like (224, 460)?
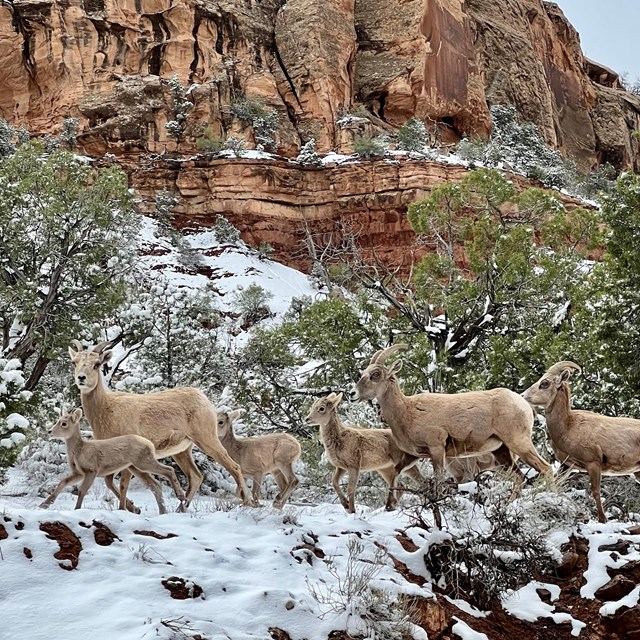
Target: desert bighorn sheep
(599, 445)
(467, 469)
(352, 449)
(164, 417)
(272, 453)
(88, 459)
(440, 425)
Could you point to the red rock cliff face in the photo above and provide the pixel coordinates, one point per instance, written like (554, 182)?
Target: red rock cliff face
(107, 63)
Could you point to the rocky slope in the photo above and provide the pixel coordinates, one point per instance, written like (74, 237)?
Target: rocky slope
(107, 63)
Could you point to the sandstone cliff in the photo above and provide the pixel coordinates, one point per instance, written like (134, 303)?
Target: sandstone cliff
(107, 63)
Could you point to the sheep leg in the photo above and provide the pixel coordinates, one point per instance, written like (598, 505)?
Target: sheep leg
(87, 481)
(505, 458)
(637, 476)
(389, 475)
(214, 449)
(414, 473)
(125, 479)
(256, 484)
(287, 482)
(335, 481)
(65, 482)
(184, 460)
(151, 465)
(354, 472)
(108, 480)
(533, 459)
(152, 484)
(595, 474)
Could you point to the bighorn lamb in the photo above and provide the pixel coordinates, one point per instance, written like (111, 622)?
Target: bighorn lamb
(164, 417)
(589, 441)
(88, 459)
(467, 469)
(352, 449)
(440, 425)
(272, 453)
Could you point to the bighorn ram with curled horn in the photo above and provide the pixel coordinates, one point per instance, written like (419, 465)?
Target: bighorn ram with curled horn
(164, 417)
(588, 441)
(441, 425)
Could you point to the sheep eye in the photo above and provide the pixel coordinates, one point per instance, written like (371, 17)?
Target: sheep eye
(375, 375)
(321, 409)
(544, 384)
(64, 424)
(96, 365)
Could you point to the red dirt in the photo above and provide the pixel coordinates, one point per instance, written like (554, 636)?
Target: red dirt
(70, 546)
(103, 535)
(153, 534)
(181, 589)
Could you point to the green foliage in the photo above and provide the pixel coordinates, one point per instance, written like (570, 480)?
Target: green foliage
(67, 239)
(252, 304)
(412, 135)
(253, 112)
(235, 145)
(69, 134)
(225, 232)
(173, 331)
(308, 154)
(370, 146)
(208, 143)
(180, 106)
(504, 269)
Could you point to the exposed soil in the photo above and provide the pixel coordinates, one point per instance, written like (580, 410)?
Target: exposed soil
(154, 534)
(103, 535)
(181, 589)
(70, 545)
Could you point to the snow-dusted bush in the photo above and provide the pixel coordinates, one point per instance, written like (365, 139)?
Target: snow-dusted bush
(308, 154)
(69, 134)
(180, 107)
(43, 461)
(520, 145)
(173, 334)
(236, 145)
(12, 400)
(7, 134)
(225, 232)
(252, 304)
(370, 146)
(208, 143)
(412, 135)
(263, 120)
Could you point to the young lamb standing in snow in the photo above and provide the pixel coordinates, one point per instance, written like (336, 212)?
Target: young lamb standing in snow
(588, 441)
(272, 453)
(88, 459)
(164, 417)
(352, 449)
(442, 425)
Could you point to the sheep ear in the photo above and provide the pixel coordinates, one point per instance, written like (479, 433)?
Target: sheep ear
(331, 397)
(105, 357)
(72, 354)
(395, 367)
(336, 400)
(76, 415)
(234, 415)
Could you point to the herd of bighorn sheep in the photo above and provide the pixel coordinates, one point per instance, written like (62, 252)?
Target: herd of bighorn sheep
(462, 434)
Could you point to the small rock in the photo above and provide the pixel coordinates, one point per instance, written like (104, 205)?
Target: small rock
(27, 552)
(3, 533)
(615, 589)
(567, 564)
(634, 531)
(181, 589)
(545, 595)
(289, 604)
(626, 621)
(621, 547)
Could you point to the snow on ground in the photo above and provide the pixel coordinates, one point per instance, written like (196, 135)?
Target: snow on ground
(231, 268)
(255, 566)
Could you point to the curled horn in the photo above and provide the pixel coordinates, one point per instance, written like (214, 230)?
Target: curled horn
(380, 357)
(99, 348)
(77, 344)
(565, 365)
